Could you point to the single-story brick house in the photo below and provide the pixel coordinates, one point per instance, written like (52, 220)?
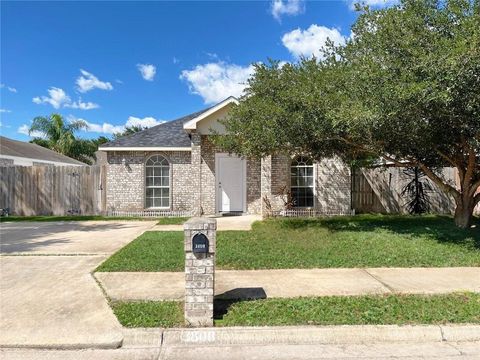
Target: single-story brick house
(175, 167)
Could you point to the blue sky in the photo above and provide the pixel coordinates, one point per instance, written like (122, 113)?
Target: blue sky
(119, 63)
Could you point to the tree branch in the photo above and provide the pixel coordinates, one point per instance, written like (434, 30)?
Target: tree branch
(475, 187)
(399, 163)
(470, 168)
(447, 158)
(476, 199)
(439, 181)
(409, 163)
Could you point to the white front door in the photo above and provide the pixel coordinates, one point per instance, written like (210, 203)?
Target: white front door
(231, 181)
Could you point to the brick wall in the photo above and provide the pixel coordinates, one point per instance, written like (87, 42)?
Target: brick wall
(208, 186)
(6, 162)
(254, 201)
(332, 184)
(126, 180)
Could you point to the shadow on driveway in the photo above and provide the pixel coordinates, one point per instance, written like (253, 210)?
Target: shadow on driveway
(82, 237)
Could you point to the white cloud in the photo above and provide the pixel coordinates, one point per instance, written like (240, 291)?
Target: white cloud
(104, 128)
(59, 98)
(216, 81)
(9, 88)
(82, 105)
(56, 97)
(23, 129)
(5, 111)
(87, 81)
(310, 41)
(145, 122)
(148, 71)
(372, 3)
(107, 128)
(287, 7)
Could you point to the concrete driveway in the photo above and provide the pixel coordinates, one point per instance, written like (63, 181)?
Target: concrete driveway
(70, 237)
(51, 300)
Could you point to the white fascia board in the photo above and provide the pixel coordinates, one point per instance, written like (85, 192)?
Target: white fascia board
(154, 148)
(192, 124)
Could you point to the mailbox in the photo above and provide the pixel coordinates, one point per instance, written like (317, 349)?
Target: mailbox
(200, 244)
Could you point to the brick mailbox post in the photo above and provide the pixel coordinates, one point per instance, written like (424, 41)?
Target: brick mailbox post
(200, 247)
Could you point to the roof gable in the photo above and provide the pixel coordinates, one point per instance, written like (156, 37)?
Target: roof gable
(193, 123)
(171, 135)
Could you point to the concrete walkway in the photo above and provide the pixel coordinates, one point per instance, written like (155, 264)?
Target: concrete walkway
(51, 300)
(232, 284)
(224, 223)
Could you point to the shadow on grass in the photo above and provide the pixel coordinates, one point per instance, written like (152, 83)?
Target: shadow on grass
(439, 228)
(222, 302)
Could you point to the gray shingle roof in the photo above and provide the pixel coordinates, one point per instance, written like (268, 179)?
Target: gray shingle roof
(168, 134)
(12, 147)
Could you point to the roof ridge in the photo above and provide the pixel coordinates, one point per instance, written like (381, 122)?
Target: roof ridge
(173, 123)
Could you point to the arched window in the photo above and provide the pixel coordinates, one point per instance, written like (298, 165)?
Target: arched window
(302, 181)
(157, 182)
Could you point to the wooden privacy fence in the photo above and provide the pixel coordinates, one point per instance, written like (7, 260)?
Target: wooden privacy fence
(53, 190)
(379, 190)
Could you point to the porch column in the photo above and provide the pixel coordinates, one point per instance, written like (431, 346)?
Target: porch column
(196, 174)
(266, 186)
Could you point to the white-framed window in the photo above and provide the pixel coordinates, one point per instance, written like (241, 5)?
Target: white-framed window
(157, 182)
(302, 182)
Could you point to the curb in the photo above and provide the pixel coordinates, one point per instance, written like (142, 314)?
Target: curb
(115, 343)
(344, 334)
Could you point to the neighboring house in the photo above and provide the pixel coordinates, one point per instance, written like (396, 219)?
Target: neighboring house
(175, 166)
(13, 152)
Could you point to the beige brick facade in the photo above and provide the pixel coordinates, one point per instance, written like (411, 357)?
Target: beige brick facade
(332, 187)
(126, 180)
(193, 185)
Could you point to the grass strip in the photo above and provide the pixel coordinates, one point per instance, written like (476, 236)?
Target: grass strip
(454, 308)
(172, 220)
(356, 310)
(149, 313)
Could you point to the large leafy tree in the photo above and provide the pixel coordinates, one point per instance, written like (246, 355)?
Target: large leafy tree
(404, 88)
(59, 135)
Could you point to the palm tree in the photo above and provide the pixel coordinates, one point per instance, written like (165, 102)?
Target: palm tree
(60, 136)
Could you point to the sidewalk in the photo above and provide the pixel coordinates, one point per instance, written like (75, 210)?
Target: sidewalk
(224, 223)
(233, 284)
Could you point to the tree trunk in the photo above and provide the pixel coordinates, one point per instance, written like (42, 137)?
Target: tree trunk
(464, 212)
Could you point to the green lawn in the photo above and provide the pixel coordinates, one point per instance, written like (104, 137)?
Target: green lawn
(334, 310)
(340, 242)
(149, 313)
(172, 220)
(161, 221)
